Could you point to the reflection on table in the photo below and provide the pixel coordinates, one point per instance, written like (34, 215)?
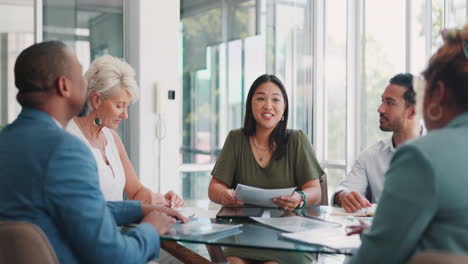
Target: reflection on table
(250, 235)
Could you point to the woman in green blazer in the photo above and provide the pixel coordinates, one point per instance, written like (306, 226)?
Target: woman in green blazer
(423, 205)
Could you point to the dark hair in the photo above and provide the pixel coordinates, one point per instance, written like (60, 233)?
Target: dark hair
(450, 66)
(279, 136)
(38, 67)
(406, 80)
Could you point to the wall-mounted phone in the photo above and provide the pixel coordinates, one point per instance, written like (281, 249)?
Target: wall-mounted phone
(160, 111)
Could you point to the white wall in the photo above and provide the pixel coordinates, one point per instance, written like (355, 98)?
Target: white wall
(16, 18)
(152, 47)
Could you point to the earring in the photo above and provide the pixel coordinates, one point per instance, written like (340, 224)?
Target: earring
(282, 118)
(97, 121)
(430, 112)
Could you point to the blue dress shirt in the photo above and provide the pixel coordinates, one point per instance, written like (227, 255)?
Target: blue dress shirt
(49, 178)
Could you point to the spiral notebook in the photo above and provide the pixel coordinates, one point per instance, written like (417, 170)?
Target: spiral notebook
(296, 223)
(334, 238)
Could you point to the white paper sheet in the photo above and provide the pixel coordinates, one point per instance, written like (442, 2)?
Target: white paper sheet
(295, 223)
(334, 238)
(370, 211)
(194, 212)
(258, 196)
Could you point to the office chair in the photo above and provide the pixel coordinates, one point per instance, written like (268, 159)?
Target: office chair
(24, 243)
(324, 189)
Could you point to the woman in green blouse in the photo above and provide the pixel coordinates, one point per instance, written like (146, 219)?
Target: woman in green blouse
(265, 154)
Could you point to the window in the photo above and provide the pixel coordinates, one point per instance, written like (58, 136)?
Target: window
(384, 57)
(334, 128)
(226, 46)
(335, 58)
(90, 29)
(16, 34)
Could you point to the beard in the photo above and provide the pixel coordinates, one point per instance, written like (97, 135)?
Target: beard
(386, 128)
(390, 126)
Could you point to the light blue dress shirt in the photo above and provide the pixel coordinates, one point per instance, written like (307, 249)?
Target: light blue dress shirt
(368, 171)
(49, 178)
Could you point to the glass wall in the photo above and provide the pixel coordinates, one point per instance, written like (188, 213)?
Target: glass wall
(335, 70)
(456, 13)
(384, 57)
(90, 28)
(226, 46)
(419, 54)
(16, 34)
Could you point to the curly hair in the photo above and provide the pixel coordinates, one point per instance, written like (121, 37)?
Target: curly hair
(450, 66)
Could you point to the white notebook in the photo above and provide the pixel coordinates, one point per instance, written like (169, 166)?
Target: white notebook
(296, 223)
(334, 238)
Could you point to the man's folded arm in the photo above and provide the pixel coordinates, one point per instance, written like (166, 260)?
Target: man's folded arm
(84, 218)
(126, 212)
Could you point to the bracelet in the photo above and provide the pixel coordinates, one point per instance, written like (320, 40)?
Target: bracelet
(304, 199)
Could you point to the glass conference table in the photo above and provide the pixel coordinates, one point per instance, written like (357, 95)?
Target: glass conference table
(249, 235)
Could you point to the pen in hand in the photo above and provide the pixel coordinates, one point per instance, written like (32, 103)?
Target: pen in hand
(190, 218)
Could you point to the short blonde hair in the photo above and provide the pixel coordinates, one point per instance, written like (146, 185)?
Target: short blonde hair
(107, 73)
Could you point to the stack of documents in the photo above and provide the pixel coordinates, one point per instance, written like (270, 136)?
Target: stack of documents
(201, 228)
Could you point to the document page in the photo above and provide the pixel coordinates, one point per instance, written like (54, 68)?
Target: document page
(370, 211)
(258, 196)
(334, 238)
(295, 223)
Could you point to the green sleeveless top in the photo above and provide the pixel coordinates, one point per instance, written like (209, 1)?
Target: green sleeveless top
(237, 164)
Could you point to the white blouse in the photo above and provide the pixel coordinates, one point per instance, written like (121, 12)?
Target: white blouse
(112, 176)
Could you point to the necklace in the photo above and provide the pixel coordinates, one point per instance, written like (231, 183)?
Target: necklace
(260, 149)
(258, 146)
(99, 142)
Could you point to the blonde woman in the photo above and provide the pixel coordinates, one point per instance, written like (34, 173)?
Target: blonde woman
(111, 89)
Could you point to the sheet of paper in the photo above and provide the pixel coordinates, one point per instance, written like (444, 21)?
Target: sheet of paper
(193, 212)
(294, 223)
(330, 237)
(199, 228)
(338, 211)
(262, 197)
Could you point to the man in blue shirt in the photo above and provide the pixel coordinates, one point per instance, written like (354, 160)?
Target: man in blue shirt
(49, 177)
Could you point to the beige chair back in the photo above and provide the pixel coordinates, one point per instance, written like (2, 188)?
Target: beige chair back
(435, 257)
(324, 189)
(22, 243)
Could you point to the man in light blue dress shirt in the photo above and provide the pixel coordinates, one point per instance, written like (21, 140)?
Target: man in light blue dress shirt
(49, 177)
(366, 178)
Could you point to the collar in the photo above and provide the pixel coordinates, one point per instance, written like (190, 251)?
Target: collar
(388, 144)
(459, 120)
(31, 113)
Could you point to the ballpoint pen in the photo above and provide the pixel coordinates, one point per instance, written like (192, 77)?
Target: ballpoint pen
(189, 217)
